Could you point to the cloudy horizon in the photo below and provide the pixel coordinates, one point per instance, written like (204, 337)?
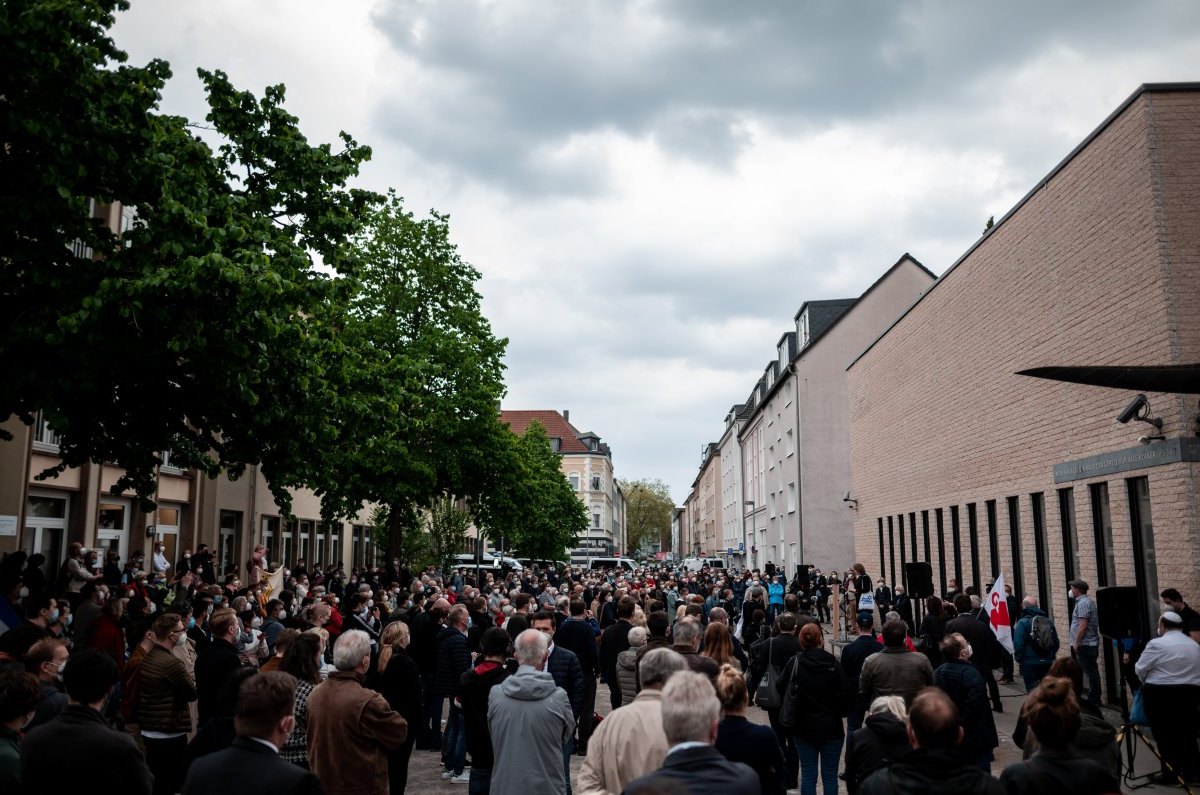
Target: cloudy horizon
(652, 189)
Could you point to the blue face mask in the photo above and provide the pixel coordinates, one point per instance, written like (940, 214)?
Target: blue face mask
(54, 614)
(191, 622)
(218, 599)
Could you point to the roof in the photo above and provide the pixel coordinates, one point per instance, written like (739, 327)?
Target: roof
(1145, 88)
(556, 427)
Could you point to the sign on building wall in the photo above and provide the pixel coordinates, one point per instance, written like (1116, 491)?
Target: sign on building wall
(1170, 451)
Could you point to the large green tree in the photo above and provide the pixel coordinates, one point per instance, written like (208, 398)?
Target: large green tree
(205, 329)
(529, 501)
(648, 510)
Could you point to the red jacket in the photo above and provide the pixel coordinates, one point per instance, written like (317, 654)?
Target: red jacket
(104, 634)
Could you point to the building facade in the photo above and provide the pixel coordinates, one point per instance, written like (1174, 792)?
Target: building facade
(960, 462)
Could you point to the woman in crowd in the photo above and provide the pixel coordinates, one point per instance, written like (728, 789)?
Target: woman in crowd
(882, 740)
(301, 660)
(627, 665)
(739, 740)
(1096, 739)
(966, 688)
(1052, 714)
(718, 644)
(933, 630)
(396, 678)
(822, 699)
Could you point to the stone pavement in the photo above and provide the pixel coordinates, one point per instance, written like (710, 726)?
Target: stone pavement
(425, 768)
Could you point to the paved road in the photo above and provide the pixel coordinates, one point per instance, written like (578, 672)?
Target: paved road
(425, 767)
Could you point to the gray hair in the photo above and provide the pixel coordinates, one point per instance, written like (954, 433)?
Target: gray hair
(975, 603)
(718, 615)
(657, 666)
(350, 648)
(689, 708)
(687, 632)
(892, 704)
(891, 615)
(637, 636)
(530, 647)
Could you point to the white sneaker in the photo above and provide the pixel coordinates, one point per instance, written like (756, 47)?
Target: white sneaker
(447, 774)
(462, 778)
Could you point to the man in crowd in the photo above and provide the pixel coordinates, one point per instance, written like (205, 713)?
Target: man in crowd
(351, 728)
(690, 714)
(983, 643)
(934, 767)
(473, 691)
(1033, 657)
(658, 624)
(614, 641)
(854, 656)
(895, 671)
(687, 636)
(264, 719)
(630, 742)
(425, 629)
(164, 690)
(46, 660)
(78, 746)
(1191, 619)
(575, 634)
(1170, 671)
(453, 660)
(1085, 638)
(530, 721)
(216, 662)
(88, 611)
(564, 666)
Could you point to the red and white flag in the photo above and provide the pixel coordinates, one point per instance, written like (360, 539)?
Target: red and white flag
(997, 610)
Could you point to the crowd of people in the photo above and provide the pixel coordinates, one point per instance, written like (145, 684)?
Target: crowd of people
(183, 679)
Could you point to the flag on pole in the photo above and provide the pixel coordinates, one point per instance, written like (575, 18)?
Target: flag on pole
(998, 618)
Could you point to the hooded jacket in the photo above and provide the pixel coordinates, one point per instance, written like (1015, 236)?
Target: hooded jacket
(927, 771)
(822, 696)
(473, 691)
(530, 720)
(627, 675)
(882, 741)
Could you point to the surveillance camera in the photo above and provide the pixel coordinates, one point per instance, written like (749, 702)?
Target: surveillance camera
(1131, 411)
(846, 498)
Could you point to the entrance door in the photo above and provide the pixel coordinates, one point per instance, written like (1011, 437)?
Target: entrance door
(112, 528)
(166, 531)
(45, 530)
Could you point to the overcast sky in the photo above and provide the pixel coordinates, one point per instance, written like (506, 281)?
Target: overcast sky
(651, 189)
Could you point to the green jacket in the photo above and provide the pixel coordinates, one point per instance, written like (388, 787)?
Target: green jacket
(164, 690)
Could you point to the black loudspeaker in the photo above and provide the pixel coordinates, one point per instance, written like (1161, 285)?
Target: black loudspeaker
(918, 578)
(1120, 612)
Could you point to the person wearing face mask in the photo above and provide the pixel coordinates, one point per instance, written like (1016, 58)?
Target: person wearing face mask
(20, 695)
(88, 611)
(214, 663)
(164, 690)
(107, 632)
(272, 625)
(965, 685)
(358, 616)
(1170, 671)
(41, 611)
(45, 661)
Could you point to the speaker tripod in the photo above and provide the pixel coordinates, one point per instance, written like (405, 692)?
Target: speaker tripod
(1127, 738)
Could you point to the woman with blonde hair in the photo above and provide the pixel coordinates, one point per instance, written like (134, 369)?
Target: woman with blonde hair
(739, 740)
(718, 645)
(396, 678)
(882, 740)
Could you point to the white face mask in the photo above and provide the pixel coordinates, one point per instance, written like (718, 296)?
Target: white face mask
(256, 622)
(24, 592)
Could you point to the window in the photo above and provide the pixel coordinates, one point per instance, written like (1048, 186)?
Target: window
(973, 531)
(903, 550)
(925, 531)
(791, 497)
(802, 329)
(1145, 565)
(941, 535)
(791, 442)
(1014, 533)
(1037, 504)
(956, 538)
(891, 551)
(44, 436)
(287, 546)
(556, 444)
(574, 479)
(305, 549)
(912, 535)
(993, 536)
(165, 459)
(1070, 540)
(879, 522)
(1106, 567)
(595, 483)
(771, 502)
(595, 519)
(230, 538)
(269, 538)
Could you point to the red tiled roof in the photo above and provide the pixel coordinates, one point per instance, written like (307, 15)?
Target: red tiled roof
(554, 423)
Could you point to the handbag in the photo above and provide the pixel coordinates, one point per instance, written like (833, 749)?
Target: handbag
(1137, 712)
(767, 695)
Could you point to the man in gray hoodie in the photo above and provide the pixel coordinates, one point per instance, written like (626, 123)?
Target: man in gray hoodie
(530, 720)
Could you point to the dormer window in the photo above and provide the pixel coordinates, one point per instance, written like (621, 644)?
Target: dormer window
(556, 444)
(802, 329)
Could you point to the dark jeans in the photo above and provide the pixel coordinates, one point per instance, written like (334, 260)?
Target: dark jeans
(430, 738)
(1088, 657)
(167, 760)
(823, 757)
(1172, 713)
(822, 609)
(788, 743)
(1006, 664)
(586, 720)
(481, 781)
(567, 749)
(454, 743)
(398, 767)
(989, 678)
(614, 691)
(1033, 674)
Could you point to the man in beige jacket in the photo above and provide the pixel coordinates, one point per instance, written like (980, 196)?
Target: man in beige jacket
(630, 742)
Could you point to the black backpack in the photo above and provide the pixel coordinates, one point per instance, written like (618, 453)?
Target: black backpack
(1043, 636)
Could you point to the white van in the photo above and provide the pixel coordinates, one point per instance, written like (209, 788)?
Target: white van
(625, 564)
(696, 564)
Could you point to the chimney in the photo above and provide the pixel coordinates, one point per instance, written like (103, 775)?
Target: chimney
(567, 415)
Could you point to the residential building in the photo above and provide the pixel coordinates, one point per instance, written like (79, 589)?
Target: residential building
(960, 461)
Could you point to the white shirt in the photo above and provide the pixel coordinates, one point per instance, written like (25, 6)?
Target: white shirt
(1170, 659)
(160, 563)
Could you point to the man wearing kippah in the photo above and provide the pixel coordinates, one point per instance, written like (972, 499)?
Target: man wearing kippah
(1170, 672)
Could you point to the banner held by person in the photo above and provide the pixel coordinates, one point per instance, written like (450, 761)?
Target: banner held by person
(998, 618)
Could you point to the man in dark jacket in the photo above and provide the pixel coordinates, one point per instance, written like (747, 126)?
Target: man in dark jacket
(576, 635)
(775, 653)
(853, 657)
(564, 666)
(265, 718)
(934, 767)
(1034, 660)
(78, 745)
(453, 660)
(983, 644)
(614, 641)
(895, 671)
(425, 629)
(473, 691)
(690, 714)
(165, 688)
(214, 664)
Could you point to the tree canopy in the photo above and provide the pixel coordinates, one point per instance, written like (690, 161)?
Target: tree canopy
(648, 510)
